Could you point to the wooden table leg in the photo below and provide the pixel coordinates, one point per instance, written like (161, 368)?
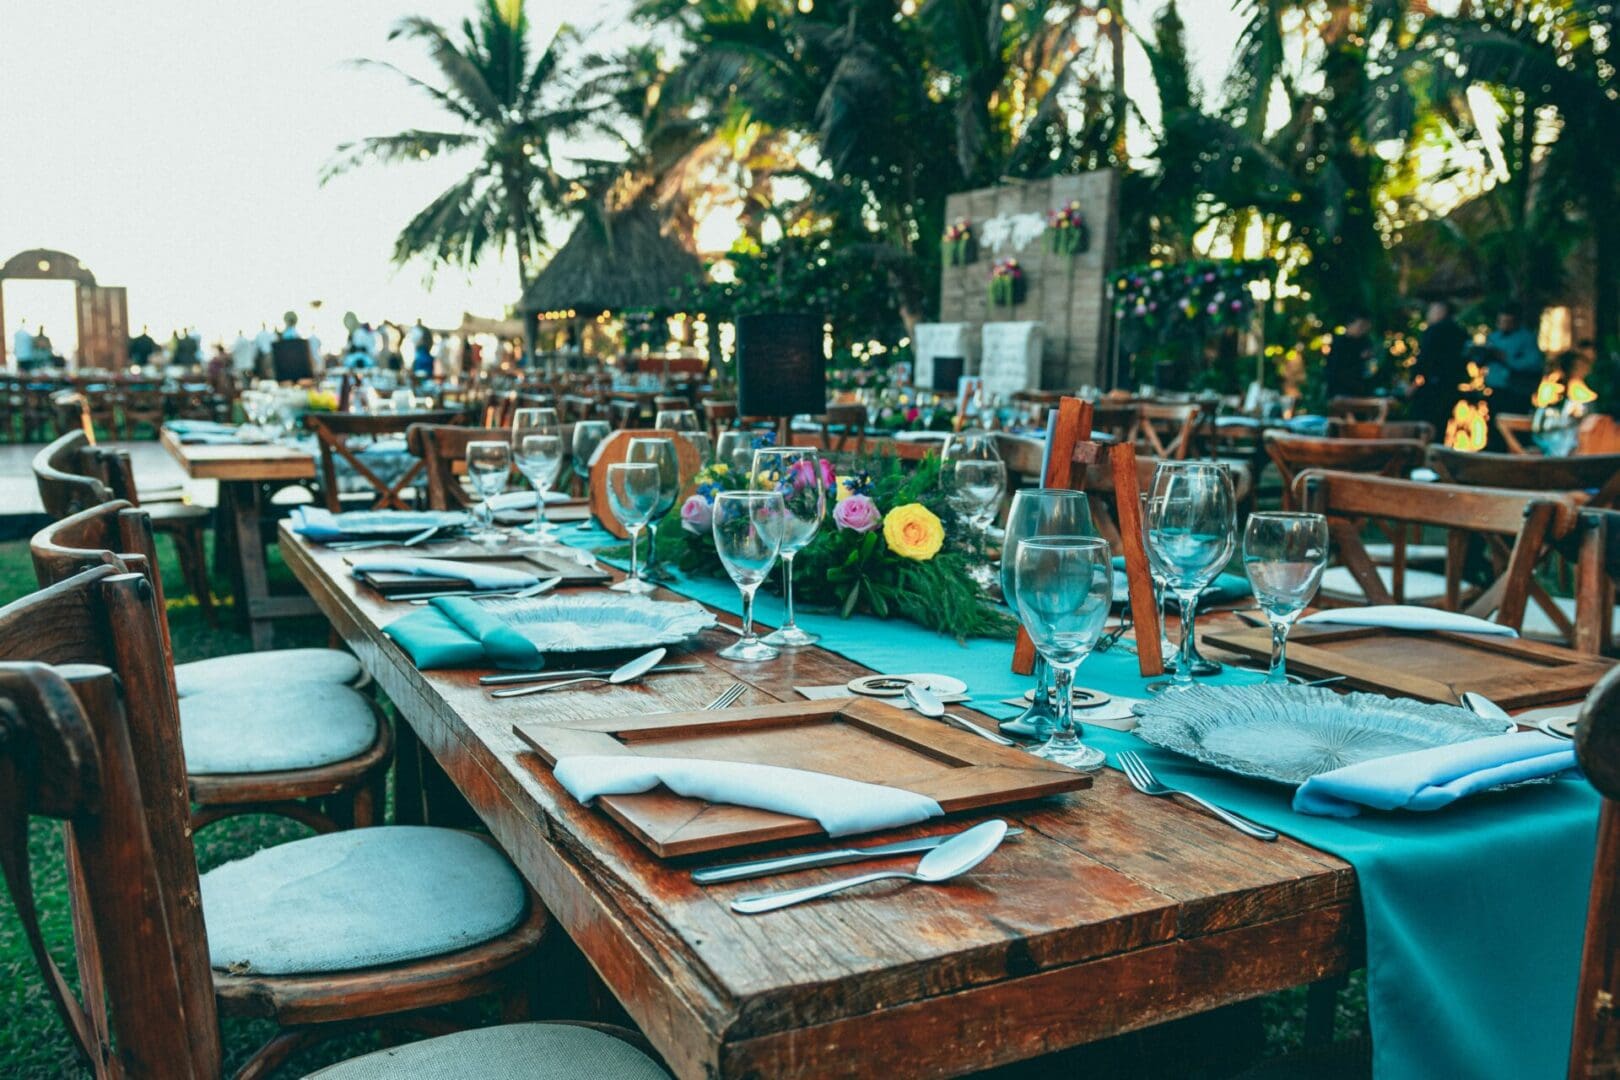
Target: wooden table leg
(253, 596)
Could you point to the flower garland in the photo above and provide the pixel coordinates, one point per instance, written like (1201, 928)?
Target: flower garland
(1066, 231)
(911, 559)
(958, 243)
(1185, 300)
(1006, 283)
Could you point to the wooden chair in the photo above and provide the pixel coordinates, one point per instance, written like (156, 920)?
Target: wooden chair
(333, 432)
(1166, 431)
(1293, 454)
(70, 412)
(72, 476)
(1597, 569)
(141, 403)
(1412, 430)
(1516, 526)
(1372, 409)
(103, 755)
(1514, 429)
(443, 450)
(331, 793)
(1099, 483)
(719, 416)
(851, 420)
(38, 413)
(670, 402)
(1594, 478)
(1595, 1043)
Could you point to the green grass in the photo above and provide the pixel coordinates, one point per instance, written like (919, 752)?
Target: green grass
(33, 1042)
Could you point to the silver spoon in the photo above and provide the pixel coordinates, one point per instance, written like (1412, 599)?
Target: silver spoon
(1483, 707)
(951, 859)
(927, 702)
(628, 672)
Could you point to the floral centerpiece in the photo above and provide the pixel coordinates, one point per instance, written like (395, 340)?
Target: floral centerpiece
(321, 401)
(891, 544)
(958, 243)
(1066, 231)
(1006, 282)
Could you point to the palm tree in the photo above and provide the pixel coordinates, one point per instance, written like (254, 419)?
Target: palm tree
(496, 96)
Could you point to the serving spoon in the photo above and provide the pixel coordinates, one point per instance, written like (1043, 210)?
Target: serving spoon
(926, 702)
(627, 672)
(951, 859)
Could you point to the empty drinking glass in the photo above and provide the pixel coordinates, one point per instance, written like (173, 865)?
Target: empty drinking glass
(748, 527)
(1040, 512)
(971, 443)
(976, 487)
(1065, 587)
(488, 464)
(535, 421)
(1193, 531)
(794, 472)
(588, 435)
(633, 492)
(660, 452)
(1284, 555)
(539, 459)
(735, 450)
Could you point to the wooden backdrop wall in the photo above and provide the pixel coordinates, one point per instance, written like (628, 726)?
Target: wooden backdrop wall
(1066, 294)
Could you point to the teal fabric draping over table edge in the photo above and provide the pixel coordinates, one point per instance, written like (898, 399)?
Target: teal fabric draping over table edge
(1474, 914)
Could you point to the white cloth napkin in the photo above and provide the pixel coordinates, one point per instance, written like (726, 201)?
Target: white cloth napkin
(523, 500)
(842, 807)
(1408, 617)
(478, 575)
(1436, 777)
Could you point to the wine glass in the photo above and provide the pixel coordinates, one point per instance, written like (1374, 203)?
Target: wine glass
(1193, 529)
(970, 443)
(539, 459)
(1160, 574)
(633, 491)
(535, 421)
(588, 435)
(977, 484)
(660, 452)
(1284, 555)
(1040, 512)
(488, 464)
(795, 473)
(735, 450)
(1065, 587)
(748, 528)
(685, 423)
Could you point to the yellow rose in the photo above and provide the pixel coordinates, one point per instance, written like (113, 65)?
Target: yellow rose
(846, 488)
(913, 532)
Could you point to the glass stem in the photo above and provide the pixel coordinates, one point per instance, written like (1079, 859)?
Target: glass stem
(1189, 615)
(787, 589)
(539, 508)
(635, 535)
(748, 612)
(1063, 679)
(652, 545)
(1279, 652)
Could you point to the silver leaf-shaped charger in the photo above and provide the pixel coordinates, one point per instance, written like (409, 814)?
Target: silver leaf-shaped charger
(602, 622)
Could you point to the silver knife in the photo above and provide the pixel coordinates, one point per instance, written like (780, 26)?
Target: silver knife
(546, 676)
(714, 875)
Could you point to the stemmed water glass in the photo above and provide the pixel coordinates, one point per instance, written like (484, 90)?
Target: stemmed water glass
(795, 473)
(488, 464)
(1159, 573)
(685, 423)
(1284, 555)
(633, 492)
(659, 452)
(1065, 588)
(976, 487)
(1193, 531)
(748, 528)
(735, 449)
(973, 443)
(1040, 512)
(540, 460)
(588, 435)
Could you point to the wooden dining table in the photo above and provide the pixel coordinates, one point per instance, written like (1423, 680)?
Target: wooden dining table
(1111, 913)
(244, 472)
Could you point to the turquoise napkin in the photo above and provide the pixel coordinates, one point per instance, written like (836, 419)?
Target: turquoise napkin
(1439, 776)
(455, 632)
(478, 575)
(320, 524)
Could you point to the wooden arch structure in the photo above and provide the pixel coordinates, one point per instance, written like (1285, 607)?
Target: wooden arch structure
(102, 310)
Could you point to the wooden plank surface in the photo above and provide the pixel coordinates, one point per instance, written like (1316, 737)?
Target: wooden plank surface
(1113, 912)
(249, 461)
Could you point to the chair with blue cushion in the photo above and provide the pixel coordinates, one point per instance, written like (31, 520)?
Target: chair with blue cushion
(365, 929)
(277, 732)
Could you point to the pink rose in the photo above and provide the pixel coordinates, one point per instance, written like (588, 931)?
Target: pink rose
(858, 512)
(829, 475)
(697, 515)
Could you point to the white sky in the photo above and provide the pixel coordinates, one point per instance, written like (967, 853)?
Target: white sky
(175, 148)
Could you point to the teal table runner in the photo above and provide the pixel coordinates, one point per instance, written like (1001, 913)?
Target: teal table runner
(1474, 914)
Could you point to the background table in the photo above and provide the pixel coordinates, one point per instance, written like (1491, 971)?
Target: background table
(1112, 913)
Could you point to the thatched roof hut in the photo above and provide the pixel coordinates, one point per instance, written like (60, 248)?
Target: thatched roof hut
(625, 261)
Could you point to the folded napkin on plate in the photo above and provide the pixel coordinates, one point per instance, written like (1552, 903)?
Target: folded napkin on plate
(523, 500)
(1408, 617)
(455, 632)
(1430, 779)
(319, 524)
(842, 807)
(477, 575)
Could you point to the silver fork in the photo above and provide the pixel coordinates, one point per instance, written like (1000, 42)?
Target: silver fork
(727, 696)
(1143, 780)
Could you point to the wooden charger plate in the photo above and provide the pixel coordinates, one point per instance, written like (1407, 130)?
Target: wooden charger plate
(1430, 665)
(857, 738)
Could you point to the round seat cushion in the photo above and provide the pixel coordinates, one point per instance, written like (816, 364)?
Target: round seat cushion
(535, 1051)
(262, 729)
(358, 899)
(276, 666)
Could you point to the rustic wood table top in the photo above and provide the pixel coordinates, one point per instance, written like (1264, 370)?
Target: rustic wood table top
(1111, 913)
(243, 462)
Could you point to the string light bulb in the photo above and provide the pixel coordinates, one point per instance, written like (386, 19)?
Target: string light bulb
(1104, 16)
(806, 6)
(1007, 12)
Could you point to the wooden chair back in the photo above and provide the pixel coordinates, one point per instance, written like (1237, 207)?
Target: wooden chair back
(143, 403)
(1597, 476)
(1373, 409)
(1517, 527)
(71, 412)
(115, 534)
(1415, 430)
(332, 434)
(443, 451)
(1293, 454)
(1165, 430)
(67, 484)
(1595, 1044)
(1514, 429)
(719, 416)
(851, 421)
(110, 765)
